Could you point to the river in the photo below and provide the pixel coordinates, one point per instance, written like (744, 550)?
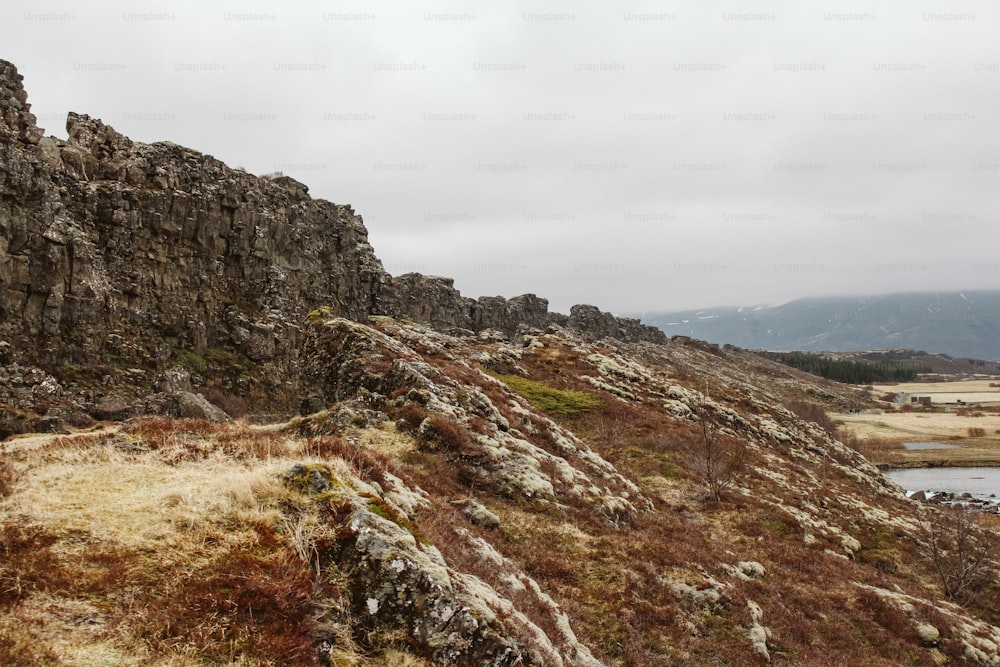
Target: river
(982, 483)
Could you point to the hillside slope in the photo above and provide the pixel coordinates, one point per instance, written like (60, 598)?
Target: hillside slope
(498, 486)
(479, 500)
(957, 324)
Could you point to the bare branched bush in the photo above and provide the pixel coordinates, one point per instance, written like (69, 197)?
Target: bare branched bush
(719, 458)
(961, 552)
(613, 423)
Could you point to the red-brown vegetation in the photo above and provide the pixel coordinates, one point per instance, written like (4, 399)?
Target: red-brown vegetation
(8, 476)
(240, 604)
(253, 604)
(410, 416)
(443, 433)
(368, 464)
(813, 413)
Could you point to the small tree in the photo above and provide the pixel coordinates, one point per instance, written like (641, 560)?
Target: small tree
(612, 423)
(719, 458)
(961, 552)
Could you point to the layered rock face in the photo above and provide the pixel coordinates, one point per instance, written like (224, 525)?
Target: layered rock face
(112, 249)
(115, 253)
(594, 325)
(435, 301)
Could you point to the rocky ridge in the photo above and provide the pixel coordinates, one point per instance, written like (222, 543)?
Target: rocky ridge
(117, 255)
(495, 486)
(447, 512)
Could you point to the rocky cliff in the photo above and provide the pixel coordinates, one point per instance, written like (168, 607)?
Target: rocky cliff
(435, 301)
(112, 249)
(116, 254)
(499, 486)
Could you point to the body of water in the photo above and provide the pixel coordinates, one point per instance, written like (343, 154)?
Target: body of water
(980, 482)
(916, 446)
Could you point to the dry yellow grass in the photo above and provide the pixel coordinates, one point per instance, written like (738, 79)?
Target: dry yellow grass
(138, 500)
(99, 498)
(387, 440)
(149, 512)
(918, 426)
(970, 391)
(952, 428)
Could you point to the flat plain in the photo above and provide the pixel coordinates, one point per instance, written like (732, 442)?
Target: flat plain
(974, 427)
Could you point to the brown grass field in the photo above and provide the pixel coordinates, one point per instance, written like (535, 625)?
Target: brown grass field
(975, 429)
(970, 391)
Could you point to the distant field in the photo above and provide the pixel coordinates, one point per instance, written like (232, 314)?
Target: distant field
(919, 427)
(946, 427)
(970, 391)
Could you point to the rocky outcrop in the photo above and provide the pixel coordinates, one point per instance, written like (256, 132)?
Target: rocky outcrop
(17, 123)
(594, 325)
(435, 301)
(378, 364)
(117, 250)
(432, 300)
(115, 254)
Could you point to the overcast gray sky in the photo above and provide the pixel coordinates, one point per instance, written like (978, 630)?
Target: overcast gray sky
(637, 156)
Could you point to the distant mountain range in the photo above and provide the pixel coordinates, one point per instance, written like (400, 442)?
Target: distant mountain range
(959, 324)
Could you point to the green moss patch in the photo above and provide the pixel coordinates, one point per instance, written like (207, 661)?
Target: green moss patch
(549, 399)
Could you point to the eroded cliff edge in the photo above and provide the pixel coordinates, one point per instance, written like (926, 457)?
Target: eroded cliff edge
(119, 254)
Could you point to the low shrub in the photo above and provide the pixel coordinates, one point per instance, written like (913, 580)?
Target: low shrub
(244, 443)
(161, 431)
(177, 440)
(410, 416)
(241, 607)
(813, 413)
(370, 465)
(614, 422)
(890, 617)
(446, 434)
(24, 567)
(8, 476)
(22, 642)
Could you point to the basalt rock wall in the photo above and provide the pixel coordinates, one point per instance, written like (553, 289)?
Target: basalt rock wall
(113, 250)
(120, 254)
(435, 301)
